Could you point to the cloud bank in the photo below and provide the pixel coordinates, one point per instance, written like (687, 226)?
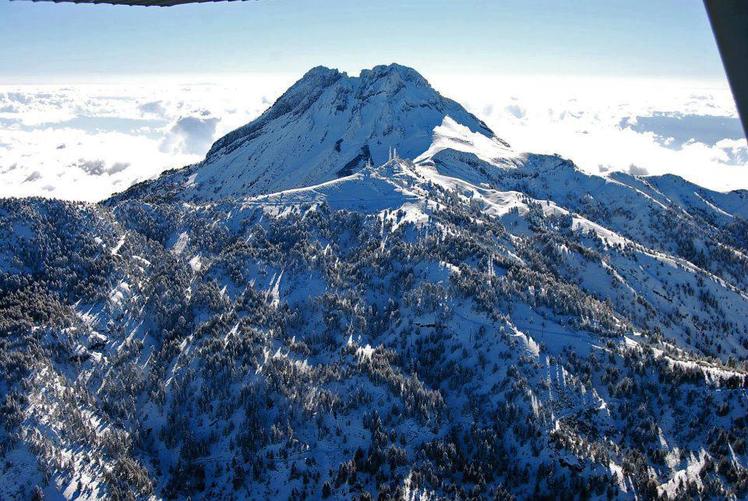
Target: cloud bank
(644, 127)
(85, 142)
(190, 135)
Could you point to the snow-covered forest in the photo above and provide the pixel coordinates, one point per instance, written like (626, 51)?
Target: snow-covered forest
(366, 294)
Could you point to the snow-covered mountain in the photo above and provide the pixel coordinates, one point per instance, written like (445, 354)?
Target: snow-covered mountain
(309, 314)
(326, 126)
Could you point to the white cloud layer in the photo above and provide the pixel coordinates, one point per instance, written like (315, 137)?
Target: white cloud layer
(639, 126)
(86, 142)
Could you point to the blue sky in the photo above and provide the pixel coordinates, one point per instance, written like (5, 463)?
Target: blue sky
(642, 38)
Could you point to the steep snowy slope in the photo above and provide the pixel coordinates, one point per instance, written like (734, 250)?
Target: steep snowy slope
(691, 266)
(455, 321)
(327, 125)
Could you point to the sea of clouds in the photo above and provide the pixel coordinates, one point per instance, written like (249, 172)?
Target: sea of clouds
(644, 127)
(87, 141)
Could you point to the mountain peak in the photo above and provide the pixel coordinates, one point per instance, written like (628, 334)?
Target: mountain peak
(394, 71)
(321, 71)
(377, 73)
(325, 126)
